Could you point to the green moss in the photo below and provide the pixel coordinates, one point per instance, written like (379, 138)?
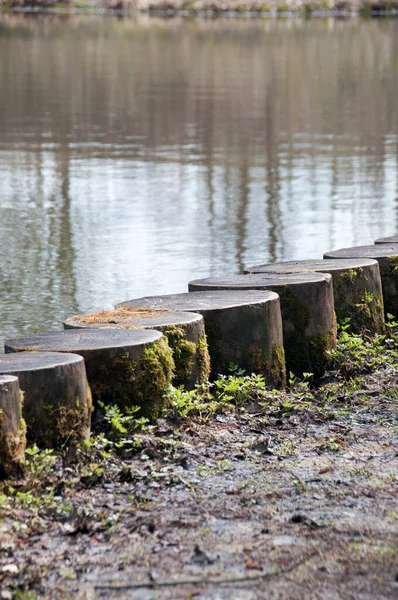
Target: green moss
(365, 315)
(63, 424)
(321, 348)
(350, 275)
(393, 264)
(274, 369)
(150, 376)
(203, 359)
(304, 354)
(278, 366)
(12, 449)
(119, 380)
(192, 361)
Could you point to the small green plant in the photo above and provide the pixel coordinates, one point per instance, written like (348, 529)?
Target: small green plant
(332, 444)
(121, 424)
(39, 462)
(235, 370)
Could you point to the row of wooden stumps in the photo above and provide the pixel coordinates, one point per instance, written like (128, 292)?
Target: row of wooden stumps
(272, 319)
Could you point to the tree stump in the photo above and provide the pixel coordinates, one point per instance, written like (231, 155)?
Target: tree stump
(185, 333)
(387, 257)
(393, 239)
(308, 317)
(57, 401)
(356, 288)
(12, 427)
(243, 328)
(124, 367)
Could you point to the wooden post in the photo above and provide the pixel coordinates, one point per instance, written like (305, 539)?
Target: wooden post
(184, 331)
(57, 401)
(243, 328)
(356, 288)
(387, 257)
(309, 322)
(124, 367)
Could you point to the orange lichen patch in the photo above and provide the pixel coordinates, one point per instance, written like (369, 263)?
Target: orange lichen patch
(120, 315)
(27, 349)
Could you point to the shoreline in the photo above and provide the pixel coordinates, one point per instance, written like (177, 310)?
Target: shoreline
(208, 8)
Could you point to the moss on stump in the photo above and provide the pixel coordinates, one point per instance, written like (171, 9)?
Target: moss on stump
(387, 257)
(12, 427)
(124, 367)
(57, 402)
(185, 333)
(356, 287)
(244, 328)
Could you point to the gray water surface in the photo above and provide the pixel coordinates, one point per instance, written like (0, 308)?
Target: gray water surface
(138, 154)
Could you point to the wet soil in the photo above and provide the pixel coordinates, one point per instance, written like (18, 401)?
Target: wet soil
(279, 503)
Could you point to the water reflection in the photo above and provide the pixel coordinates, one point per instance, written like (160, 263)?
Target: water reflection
(138, 154)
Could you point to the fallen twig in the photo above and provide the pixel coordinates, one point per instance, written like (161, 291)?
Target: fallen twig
(219, 581)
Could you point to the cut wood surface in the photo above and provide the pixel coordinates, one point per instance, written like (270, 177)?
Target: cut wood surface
(12, 427)
(308, 317)
(356, 287)
(387, 257)
(57, 401)
(124, 367)
(184, 331)
(392, 239)
(243, 328)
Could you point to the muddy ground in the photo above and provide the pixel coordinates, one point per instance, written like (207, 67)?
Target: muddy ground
(294, 500)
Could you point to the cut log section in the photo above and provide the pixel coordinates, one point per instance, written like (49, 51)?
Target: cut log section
(124, 367)
(393, 239)
(356, 287)
(308, 317)
(185, 333)
(12, 427)
(387, 257)
(243, 328)
(57, 401)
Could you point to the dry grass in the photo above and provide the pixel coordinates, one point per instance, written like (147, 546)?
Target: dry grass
(120, 315)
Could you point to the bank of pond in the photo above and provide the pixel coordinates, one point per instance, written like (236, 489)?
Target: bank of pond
(251, 8)
(271, 320)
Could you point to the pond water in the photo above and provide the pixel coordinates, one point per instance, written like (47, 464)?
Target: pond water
(137, 154)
